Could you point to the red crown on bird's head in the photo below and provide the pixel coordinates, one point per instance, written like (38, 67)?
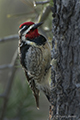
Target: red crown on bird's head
(26, 23)
(30, 31)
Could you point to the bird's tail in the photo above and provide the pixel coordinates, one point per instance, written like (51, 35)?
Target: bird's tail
(35, 92)
(36, 95)
(33, 88)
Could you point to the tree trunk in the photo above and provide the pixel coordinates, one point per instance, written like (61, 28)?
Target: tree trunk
(65, 97)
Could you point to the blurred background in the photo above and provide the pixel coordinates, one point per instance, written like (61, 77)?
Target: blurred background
(21, 104)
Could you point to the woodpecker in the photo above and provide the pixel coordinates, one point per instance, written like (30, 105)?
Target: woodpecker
(35, 57)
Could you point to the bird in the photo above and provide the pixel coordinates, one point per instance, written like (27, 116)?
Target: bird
(35, 57)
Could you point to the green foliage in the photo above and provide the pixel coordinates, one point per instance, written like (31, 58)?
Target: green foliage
(20, 102)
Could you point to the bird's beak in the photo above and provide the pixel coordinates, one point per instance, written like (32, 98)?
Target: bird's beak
(36, 25)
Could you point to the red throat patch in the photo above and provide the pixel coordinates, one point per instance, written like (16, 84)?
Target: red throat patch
(32, 34)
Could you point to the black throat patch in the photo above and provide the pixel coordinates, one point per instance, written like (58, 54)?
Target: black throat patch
(40, 40)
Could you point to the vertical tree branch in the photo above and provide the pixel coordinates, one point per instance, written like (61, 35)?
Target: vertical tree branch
(65, 95)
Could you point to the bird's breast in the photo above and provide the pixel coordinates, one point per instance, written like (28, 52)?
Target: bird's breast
(35, 60)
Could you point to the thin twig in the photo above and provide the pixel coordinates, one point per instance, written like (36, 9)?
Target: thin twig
(2, 95)
(8, 38)
(9, 85)
(40, 2)
(5, 66)
(43, 17)
(45, 13)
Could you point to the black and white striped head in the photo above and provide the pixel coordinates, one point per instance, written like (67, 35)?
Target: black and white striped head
(29, 30)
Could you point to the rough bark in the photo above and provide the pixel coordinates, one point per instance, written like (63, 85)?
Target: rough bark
(65, 97)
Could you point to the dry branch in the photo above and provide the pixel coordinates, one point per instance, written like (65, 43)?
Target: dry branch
(5, 66)
(41, 2)
(2, 96)
(5, 95)
(8, 38)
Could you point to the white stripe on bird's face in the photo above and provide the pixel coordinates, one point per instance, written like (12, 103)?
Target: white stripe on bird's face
(26, 31)
(21, 30)
(27, 42)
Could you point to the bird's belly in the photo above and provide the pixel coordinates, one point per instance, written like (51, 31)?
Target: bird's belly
(33, 61)
(35, 64)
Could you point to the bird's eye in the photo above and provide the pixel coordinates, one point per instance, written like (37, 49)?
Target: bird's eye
(23, 27)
